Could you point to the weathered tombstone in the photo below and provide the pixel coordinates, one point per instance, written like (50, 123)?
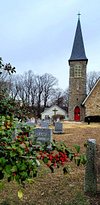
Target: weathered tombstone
(43, 136)
(48, 121)
(44, 124)
(98, 167)
(38, 122)
(58, 128)
(30, 123)
(90, 172)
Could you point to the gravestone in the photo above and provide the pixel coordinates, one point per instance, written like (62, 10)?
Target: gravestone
(30, 123)
(43, 136)
(58, 128)
(48, 121)
(90, 172)
(97, 164)
(38, 121)
(44, 124)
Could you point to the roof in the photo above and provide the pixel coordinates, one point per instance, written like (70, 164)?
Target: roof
(91, 91)
(53, 106)
(78, 51)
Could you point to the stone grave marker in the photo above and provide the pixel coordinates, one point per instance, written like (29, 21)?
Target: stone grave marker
(58, 128)
(29, 123)
(97, 164)
(90, 171)
(43, 136)
(44, 124)
(38, 121)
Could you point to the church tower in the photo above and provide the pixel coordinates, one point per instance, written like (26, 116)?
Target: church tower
(77, 76)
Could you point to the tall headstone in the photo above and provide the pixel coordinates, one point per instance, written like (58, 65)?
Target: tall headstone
(43, 136)
(44, 124)
(90, 172)
(58, 128)
(98, 166)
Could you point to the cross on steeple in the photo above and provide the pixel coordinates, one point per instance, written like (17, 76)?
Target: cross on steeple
(79, 15)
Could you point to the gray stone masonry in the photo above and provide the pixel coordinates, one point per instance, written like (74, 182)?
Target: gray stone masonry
(77, 89)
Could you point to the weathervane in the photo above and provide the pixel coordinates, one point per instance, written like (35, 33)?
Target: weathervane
(79, 15)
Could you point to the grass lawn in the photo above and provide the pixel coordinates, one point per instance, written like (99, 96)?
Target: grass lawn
(56, 188)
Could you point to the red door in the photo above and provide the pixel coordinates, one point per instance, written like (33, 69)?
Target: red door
(77, 114)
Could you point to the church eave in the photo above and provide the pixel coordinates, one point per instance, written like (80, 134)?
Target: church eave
(77, 60)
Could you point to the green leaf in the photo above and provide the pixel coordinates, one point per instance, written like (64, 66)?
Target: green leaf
(2, 161)
(23, 175)
(77, 161)
(77, 147)
(83, 159)
(70, 156)
(45, 160)
(8, 169)
(13, 154)
(22, 167)
(14, 168)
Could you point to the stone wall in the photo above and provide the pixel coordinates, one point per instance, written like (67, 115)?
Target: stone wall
(92, 105)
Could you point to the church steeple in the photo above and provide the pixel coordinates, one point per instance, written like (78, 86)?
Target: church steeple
(77, 77)
(78, 51)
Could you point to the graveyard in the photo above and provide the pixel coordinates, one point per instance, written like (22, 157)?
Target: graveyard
(49, 137)
(57, 188)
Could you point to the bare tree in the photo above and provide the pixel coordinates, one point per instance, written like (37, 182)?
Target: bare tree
(91, 80)
(60, 97)
(49, 81)
(36, 91)
(39, 90)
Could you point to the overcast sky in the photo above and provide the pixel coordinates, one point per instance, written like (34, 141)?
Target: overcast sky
(38, 35)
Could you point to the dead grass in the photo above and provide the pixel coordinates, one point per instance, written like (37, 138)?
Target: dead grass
(56, 188)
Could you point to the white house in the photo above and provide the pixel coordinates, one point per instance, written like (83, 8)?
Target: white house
(53, 110)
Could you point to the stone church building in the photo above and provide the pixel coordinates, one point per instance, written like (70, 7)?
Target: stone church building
(81, 105)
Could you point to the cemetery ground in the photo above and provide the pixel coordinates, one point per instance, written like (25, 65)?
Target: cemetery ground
(56, 188)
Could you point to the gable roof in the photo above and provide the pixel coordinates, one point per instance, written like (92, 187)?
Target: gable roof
(78, 51)
(91, 91)
(53, 106)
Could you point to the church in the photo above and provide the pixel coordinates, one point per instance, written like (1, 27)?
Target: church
(81, 105)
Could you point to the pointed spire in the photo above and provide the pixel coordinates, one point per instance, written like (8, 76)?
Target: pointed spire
(78, 51)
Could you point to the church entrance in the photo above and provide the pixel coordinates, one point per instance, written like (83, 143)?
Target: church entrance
(77, 113)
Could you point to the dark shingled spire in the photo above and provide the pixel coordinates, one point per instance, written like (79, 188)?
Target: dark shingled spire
(78, 51)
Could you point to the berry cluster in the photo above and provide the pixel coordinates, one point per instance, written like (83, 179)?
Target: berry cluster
(53, 158)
